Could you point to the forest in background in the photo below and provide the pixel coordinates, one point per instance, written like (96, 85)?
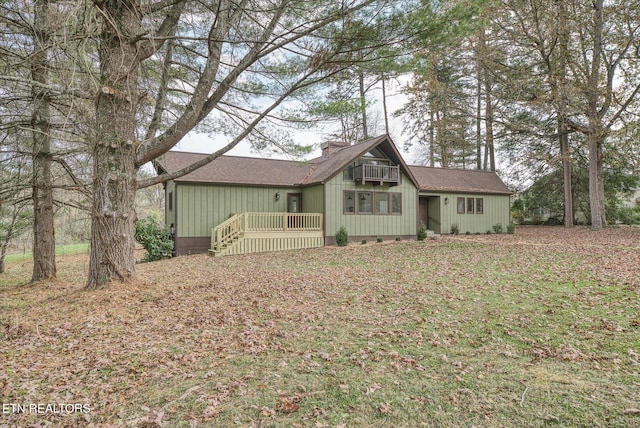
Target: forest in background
(544, 91)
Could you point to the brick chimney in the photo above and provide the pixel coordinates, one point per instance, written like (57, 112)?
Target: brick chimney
(331, 147)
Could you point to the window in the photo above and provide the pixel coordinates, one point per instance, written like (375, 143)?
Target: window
(347, 174)
(396, 203)
(470, 205)
(381, 203)
(349, 202)
(364, 203)
(460, 205)
(170, 201)
(479, 206)
(375, 153)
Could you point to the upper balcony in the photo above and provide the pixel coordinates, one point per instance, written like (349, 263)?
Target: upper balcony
(377, 174)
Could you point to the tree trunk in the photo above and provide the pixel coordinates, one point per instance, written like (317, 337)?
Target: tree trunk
(489, 125)
(44, 245)
(596, 183)
(384, 105)
(363, 106)
(114, 184)
(566, 171)
(479, 114)
(3, 253)
(432, 139)
(595, 136)
(563, 131)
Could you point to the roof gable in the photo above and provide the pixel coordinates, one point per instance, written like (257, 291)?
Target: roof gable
(325, 168)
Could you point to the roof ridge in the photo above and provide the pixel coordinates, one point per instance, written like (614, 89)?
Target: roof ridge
(238, 156)
(451, 169)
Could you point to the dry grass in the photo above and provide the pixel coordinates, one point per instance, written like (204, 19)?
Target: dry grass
(537, 328)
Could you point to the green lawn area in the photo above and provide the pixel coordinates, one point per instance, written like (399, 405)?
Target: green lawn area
(540, 328)
(61, 250)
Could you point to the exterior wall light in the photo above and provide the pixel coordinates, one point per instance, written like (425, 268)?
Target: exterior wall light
(277, 196)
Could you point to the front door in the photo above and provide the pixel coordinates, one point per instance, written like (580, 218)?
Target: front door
(423, 204)
(294, 205)
(294, 202)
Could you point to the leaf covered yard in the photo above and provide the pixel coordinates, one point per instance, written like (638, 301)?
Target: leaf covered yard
(533, 329)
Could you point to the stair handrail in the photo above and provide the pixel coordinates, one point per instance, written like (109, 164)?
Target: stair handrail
(227, 231)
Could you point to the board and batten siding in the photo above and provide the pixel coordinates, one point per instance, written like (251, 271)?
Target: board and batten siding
(370, 225)
(496, 210)
(202, 207)
(313, 199)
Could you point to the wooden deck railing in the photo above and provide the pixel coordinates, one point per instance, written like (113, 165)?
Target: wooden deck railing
(379, 173)
(280, 222)
(272, 230)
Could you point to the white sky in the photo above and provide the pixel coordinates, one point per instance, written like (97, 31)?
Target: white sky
(202, 143)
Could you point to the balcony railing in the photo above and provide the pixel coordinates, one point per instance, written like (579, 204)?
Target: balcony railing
(377, 174)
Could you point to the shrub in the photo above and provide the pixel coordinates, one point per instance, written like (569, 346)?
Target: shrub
(379, 240)
(511, 228)
(629, 216)
(497, 228)
(422, 232)
(398, 238)
(455, 230)
(154, 237)
(517, 216)
(342, 237)
(364, 241)
(467, 233)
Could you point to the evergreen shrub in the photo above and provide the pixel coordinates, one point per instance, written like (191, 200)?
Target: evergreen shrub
(154, 237)
(342, 237)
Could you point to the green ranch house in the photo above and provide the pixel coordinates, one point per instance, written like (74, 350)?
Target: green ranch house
(237, 205)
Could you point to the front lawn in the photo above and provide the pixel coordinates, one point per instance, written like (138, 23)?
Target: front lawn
(533, 329)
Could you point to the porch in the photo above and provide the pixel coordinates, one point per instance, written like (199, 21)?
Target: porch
(255, 232)
(377, 174)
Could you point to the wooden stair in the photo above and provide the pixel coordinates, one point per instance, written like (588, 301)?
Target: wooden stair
(248, 232)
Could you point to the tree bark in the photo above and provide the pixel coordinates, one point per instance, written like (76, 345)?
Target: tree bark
(432, 142)
(489, 149)
(595, 136)
(363, 105)
(479, 112)
(44, 246)
(114, 152)
(566, 171)
(563, 129)
(384, 105)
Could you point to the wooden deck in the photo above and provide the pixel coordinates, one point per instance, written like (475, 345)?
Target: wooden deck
(252, 232)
